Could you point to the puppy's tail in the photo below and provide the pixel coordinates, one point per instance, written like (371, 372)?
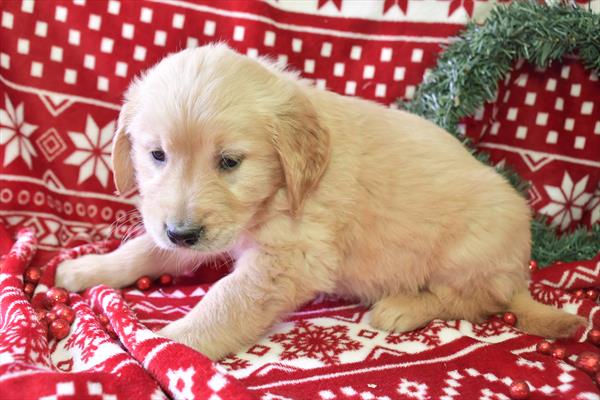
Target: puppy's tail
(543, 320)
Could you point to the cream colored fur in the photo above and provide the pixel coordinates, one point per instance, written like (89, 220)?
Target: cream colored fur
(334, 194)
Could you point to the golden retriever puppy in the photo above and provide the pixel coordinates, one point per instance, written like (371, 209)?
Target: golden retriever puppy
(310, 192)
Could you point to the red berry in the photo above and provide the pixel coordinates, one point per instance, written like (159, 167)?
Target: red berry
(579, 294)
(103, 319)
(57, 295)
(533, 266)
(64, 312)
(57, 307)
(591, 294)
(559, 352)
(33, 274)
(545, 347)
(509, 318)
(594, 337)
(59, 329)
(588, 362)
(29, 288)
(144, 283)
(598, 379)
(165, 279)
(51, 316)
(519, 390)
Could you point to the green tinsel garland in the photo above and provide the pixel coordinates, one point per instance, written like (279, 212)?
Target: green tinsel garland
(467, 76)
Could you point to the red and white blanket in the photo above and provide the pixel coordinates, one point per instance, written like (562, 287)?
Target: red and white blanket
(63, 69)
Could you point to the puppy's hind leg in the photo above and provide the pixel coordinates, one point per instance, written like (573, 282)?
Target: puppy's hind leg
(406, 312)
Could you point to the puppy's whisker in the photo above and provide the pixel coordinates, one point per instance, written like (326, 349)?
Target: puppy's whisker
(115, 225)
(133, 230)
(128, 218)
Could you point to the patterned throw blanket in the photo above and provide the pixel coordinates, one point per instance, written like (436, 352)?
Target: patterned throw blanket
(63, 68)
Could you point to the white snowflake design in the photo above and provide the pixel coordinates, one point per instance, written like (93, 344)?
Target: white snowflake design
(15, 133)
(566, 202)
(180, 382)
(412, 389)
(93, 151)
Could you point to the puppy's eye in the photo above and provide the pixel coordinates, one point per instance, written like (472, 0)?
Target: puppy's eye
(227, 163)
(159, 155)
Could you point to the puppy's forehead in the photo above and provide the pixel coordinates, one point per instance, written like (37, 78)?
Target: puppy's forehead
(201, 96)
(185, 126)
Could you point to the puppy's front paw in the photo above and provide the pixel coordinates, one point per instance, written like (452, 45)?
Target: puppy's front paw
(80, 273)
(180, 331)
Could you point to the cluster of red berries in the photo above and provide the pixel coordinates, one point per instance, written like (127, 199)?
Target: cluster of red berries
(57, 315)
(145, 282)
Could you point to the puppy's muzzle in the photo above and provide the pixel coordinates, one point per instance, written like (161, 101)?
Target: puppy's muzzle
(184, 236)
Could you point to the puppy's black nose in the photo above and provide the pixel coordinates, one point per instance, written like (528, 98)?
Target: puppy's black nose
(184, 236)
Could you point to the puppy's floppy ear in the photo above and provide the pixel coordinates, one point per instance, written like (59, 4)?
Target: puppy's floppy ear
(303, 147)
(123, 171)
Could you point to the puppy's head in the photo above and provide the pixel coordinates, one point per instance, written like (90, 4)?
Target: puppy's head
(208, 137)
